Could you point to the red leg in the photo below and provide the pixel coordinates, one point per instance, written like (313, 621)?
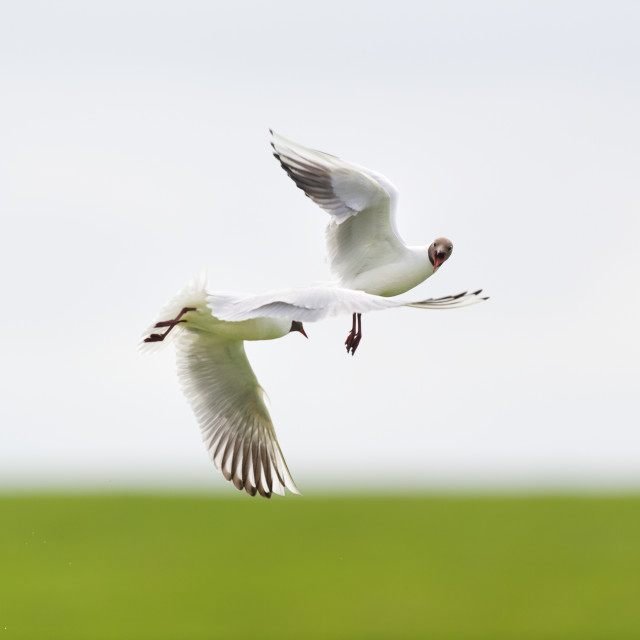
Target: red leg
(353, 339)
(159, 337)
(349, 340)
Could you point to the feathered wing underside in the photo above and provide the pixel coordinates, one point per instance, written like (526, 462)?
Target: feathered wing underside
(229, 405)
(315, 303)
(304, 304)
(361, 202)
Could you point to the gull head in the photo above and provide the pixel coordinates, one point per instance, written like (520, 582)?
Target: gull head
(439, 251)
(297, 326)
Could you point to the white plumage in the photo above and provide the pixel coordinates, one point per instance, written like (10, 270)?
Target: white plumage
(310, 304)
(224, 393)
(209, 330)
(364, 248)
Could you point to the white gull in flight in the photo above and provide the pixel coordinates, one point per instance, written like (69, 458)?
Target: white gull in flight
(209, 330)
(364, 249)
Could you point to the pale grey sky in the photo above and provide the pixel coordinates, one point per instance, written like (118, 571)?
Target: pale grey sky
(134, 152)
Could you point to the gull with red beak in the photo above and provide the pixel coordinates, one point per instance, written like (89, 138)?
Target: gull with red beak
(364, 249)
(439, 252)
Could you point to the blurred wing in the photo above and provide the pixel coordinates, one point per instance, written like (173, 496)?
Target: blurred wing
(311, 304)
(361, 234)
(230, 408)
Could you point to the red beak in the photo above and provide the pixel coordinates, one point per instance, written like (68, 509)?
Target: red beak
(438, 259)
(302, 331)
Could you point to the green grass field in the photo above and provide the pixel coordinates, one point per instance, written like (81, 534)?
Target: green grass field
(186, 567)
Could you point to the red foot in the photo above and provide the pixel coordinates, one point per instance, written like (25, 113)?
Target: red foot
(159, 337)
(353, 339)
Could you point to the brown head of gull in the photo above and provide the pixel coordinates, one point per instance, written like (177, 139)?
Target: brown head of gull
(440, 251)
(297, 326)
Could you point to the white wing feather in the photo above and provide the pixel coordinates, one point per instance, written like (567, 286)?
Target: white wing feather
(225, 395)
(362, 233)
(311, 304)
(229, 405)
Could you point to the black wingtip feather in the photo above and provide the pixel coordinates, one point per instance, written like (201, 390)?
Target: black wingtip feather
(251, 490)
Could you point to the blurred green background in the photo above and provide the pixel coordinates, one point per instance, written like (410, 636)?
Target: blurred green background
(194, 566)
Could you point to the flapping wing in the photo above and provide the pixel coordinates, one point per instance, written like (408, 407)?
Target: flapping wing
(311, 304)
(229, 405)
(362, 232)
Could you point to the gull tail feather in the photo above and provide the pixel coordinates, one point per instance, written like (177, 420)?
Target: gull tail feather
(192, 295)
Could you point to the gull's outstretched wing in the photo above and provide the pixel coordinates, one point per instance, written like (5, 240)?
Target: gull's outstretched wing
(229, 405)
(362, 233)
(310, 304)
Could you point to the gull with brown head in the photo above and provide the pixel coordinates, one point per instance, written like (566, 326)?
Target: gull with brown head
(364, 249)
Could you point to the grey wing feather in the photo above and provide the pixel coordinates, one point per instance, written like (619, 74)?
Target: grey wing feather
(332, 184)
(361, 202)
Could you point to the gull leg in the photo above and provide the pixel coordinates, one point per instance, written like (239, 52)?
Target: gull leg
(349, 340)
(158, 337)
(353, 339)
(358, 336)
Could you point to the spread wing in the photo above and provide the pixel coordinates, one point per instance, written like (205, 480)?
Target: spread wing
(229, 405)
(310, 304)
(361, 234)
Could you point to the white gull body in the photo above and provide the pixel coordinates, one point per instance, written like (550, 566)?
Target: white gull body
(218, 381)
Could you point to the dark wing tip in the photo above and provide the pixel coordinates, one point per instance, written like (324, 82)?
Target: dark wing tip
(263, 493)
